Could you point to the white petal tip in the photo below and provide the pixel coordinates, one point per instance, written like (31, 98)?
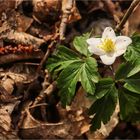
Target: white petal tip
(126, 39)
(89, 41)
(107, 60)
(108, 33)
(108, 29)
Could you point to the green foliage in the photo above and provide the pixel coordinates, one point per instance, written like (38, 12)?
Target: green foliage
(103, 108)
(133, 51)
(129, 73)
(77, 72)
(127, 69)
(102, 87)
(72, 69)
(61, 59)
(81, 45)
(133, 83)
(129, 104)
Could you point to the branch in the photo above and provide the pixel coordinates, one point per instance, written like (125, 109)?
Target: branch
(127, 15)
(45, 92)
(10, 58)
(66, 9)
(43, 61)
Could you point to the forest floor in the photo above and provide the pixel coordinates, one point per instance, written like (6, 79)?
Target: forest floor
(30, 30)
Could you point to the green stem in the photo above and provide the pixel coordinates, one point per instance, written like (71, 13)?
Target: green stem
(112, 70)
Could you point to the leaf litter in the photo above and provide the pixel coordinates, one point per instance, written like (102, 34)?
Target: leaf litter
(30, 107)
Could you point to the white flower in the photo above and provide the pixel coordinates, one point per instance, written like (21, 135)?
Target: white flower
(109, 46)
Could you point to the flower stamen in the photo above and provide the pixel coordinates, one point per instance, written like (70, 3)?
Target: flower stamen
(107, 45)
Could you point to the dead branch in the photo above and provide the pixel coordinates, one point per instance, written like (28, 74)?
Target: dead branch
(10, 58)
(66, 9)
(43, 61)
(45, 92)
(127, 15)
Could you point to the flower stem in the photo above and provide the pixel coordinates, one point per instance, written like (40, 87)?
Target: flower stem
(111, 68)
(127, 15)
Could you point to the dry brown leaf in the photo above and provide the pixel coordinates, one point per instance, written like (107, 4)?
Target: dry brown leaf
(16, 77)
(5, 112)
(85, 128)
(75, 15)
(46, 10)
(23, 22)
(8, 85)
(5, 97)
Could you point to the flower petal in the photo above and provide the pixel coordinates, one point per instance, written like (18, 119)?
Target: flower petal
(108, 60)
(121, 44)
(120, 52)
(94, 41)
(93, 46)
(109, 33)
(110, 54)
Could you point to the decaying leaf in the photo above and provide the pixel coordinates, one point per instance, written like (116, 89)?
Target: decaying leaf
(30, 29)
(44, 10)
(6, 131)
(5, 120)
(5, 96)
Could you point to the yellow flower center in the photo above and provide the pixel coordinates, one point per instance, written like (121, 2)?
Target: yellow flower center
(107, 45)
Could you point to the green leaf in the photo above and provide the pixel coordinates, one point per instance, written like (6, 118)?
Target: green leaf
(81, 45)
(68, 68)
(127, 69)
(133, 83)
(91, 69)
(61, 59)
(129, 103)
(103, 108)
(67, 82)
(68, 73)
(133, 51)
(103, 87)
(77, 72)
(136, 38)
(66, 53)
(86, 81)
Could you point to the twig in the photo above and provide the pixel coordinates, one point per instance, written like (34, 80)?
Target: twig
(66, 9)
(127, 15)
(42, 104)
(10, 58)
(45, 93)
(45, 56)
(43, 60)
